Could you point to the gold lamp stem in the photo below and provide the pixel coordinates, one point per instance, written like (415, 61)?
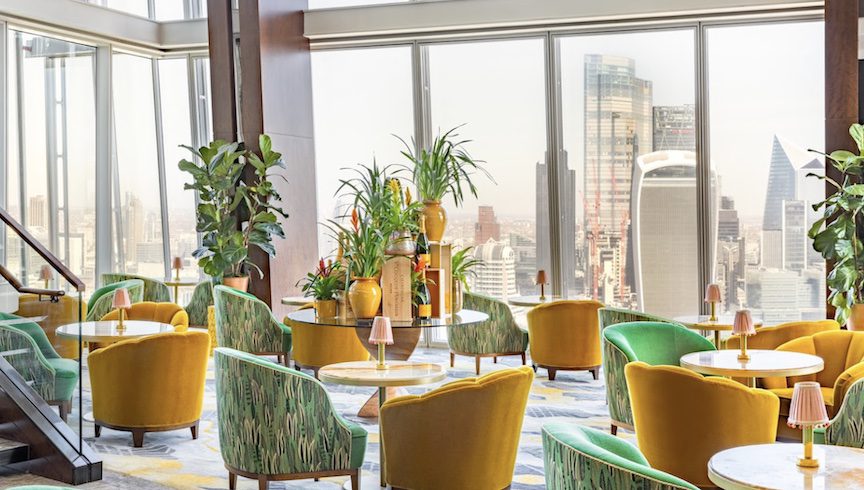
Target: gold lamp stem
(808, 461)
(542, 291)
(381, 364)
(743, 356)
(713, 312)
(120, 324)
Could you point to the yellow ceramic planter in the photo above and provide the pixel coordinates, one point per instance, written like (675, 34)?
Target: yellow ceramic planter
(325, 308)
(436, 220)
(365, 297)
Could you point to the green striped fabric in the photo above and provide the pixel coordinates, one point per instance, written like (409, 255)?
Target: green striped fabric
(245, 323)
(847, 427)
(103, 298)
(202, 297)
(154, 289)
(499, 335)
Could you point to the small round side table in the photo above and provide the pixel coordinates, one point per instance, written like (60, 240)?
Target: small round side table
(762, 364)
(180, 283)
(723, 323)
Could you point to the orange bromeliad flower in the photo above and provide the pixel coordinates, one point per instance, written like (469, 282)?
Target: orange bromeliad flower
(355, 220)
(420, 265)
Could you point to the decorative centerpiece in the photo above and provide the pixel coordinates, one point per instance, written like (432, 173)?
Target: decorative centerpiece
(541, 281)
(807, 411)
(462, 265)
(743, 327)
(712, 297)
(381, 335)
(364, 253)
(322, 285)
(121, 302)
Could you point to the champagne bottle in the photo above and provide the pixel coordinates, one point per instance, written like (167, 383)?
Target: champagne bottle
(424, 298)
(423, 250)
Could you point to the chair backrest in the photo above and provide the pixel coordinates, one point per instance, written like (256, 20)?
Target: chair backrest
(100, 302)
(290, 428)
(847, 427)
(169, 372)
(67, 309)
(499, 335)
(776, 335)
(565, 333)
(26, 357)
(682, 418)
(490, 411)
(154, 289)
(169, 313)
(36, 333)
(244, 322)
(839, 350)
(202, 297)
(610, 316)
(655, 343)
(581, 457)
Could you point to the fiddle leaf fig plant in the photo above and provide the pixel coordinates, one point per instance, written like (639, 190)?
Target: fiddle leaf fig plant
(837, 233)
(233, 214)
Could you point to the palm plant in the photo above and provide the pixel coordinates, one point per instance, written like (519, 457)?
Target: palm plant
(462, 265)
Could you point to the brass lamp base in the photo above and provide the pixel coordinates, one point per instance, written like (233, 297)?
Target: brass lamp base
(808, 462)
(381, 365)
(743, 357)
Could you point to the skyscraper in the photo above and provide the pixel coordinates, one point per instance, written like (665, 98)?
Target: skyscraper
(728, 224)
(133, 221)
(794, 235)
(675, 127)
(36, 212)
(567, 195)
(496, 276)
(618, 128)
(487, 225)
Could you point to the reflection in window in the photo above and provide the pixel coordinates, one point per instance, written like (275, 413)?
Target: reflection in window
(765, 85)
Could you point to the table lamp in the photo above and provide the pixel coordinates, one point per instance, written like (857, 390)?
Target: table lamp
(45, 275)
(177, 265)
(743, 327)
(712, 297)
(382, 334)
(807, 411)
(541, 281)
(121, 302)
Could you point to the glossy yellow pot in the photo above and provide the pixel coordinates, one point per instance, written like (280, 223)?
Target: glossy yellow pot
(240, 283)
(855, 322)
(365, 297)
(325, 308)
(436, 220)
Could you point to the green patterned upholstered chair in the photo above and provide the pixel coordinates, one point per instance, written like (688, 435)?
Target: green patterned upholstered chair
(610, 316)
(656, 343)
(202, 297)
(53, 377)
(100, 303)
(847, 427)
(581, 458)
(154, 289)
(277, 423)
(498, 337)
(245, 323)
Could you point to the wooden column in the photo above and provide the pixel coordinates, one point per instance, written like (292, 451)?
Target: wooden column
(220, 33)
(276, 99)
(841, 80)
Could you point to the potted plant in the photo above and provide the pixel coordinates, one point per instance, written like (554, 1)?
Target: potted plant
(233, 215)
(363, 245)
(462, 265)
(837, 234)
(444, 168)
(322, 285)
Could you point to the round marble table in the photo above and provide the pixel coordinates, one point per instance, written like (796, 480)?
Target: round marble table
(762, 363)
(297, 300)
(773, 466)
(180, 283)
(532, 300)
(107, 332)
(723, 323)
(366, 373)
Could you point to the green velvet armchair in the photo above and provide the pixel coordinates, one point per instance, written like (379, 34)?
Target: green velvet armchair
(655, 343)
(154, 290)
(53, 377)
(610, 316)
(276, 423)
(100, 303)
(847, 427)
(245, 323)
(498, 337)
(577, 458)
(202, 297)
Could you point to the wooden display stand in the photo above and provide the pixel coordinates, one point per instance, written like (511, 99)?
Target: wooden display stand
(396, 288)
(438, 286)
(442, 254)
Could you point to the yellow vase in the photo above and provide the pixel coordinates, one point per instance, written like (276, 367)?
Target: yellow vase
(436, 220)
(325, 308)
(365, 297)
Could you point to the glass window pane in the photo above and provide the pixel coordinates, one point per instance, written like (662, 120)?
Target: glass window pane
(497, 90)
(629, 197)
(137, 217)
(356, 117)
(766, 107)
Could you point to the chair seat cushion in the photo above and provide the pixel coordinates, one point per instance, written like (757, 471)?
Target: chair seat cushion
(785, 395)
(358, 445)
(286, 337)
(65, 377)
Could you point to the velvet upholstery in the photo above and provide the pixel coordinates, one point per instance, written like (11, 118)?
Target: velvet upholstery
(581, 458)
(154, 289)
(654, 343)
(610, 316)
(462, 435)
(770, 338)
(565, 335)
(289, 428)
(67, 309)
(202, 299)
(101, 301)
(245, 323)
(151, 383)
(315, 346)
(498, 337)
(683, 418)
(168, 313)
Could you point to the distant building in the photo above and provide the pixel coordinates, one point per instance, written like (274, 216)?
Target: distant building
(675, 127)
(37, 214)
(133, 222)
(774, 294)
(567, 197)
(496, 276)
(487, 225)
(728, 224)
(794, 235)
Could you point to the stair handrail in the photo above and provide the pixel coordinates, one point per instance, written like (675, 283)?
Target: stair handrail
(43, 252)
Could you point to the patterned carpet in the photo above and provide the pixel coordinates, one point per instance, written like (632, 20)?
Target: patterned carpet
(174, 460)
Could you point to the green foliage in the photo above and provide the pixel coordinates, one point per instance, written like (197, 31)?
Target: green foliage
(363, 244)
(835, 235)
(462, 265)
(444, 168)
(325, 281)
(232, 214)
(379, 195)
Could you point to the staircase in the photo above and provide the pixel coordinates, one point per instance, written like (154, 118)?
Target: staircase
(12, 452)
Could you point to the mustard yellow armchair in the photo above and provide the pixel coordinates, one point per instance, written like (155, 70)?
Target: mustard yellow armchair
(316, 346)
(683, 418)
(565, 335)
(463, 435)
(770, 338)
(842, 351)
(168, 313)
(151, 384)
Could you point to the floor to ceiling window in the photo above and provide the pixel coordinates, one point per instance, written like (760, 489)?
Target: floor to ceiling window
(765, 106)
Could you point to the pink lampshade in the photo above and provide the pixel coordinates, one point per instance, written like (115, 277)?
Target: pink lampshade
(712, 293)
(382, 331)
(807, 407)
(45, 273)
(121, 299)
(177, 264)
(743, 323)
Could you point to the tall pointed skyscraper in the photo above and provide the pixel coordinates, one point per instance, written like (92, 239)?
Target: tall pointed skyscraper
(568, 221)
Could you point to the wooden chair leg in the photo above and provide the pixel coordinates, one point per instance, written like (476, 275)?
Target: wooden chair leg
(232, 481)
(524, 360)
(551, 373)
(477, 365)
(97, 429)
(287, 357)
(452, 359)
(613, 429)
(194, 430)
(495, 359)
(263, 484)
(595, 371)
(355, 480)
(138, 438)
(64, 411)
